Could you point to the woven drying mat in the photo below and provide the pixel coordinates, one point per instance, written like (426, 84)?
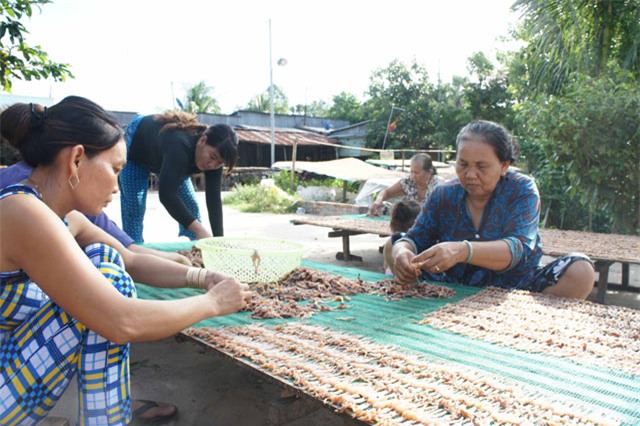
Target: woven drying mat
(281, 299)
(382, 385)
(614, 247)
(364, 226)
(585, 332)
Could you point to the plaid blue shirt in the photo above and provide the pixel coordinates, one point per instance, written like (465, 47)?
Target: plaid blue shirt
(512, 214)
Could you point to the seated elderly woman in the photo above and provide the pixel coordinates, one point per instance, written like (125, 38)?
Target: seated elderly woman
(481, 229)
(68, 305)
(417, 185)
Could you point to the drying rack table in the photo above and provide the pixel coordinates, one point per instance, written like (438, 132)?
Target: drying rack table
(599, 386)
(603, 249)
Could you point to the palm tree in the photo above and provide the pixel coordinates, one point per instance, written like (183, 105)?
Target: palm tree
(259, 103)
(584, 36)
(262, 102)
(198, 100)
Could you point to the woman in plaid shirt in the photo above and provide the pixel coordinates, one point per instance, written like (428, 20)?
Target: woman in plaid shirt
(67, 303)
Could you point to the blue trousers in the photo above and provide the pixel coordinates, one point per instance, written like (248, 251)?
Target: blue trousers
(134, 184)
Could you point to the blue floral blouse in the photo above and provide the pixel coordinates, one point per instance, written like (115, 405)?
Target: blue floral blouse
(512, 214)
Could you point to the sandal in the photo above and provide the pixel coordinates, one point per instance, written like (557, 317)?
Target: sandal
(148, 405)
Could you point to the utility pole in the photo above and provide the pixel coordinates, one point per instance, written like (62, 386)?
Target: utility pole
(271, 107)
(386, 133)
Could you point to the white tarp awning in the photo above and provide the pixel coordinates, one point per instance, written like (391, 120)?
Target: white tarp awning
(406, 163)
(371, 187)
(348, 169)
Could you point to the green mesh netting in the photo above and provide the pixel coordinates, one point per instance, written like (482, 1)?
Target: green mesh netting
(615, 393)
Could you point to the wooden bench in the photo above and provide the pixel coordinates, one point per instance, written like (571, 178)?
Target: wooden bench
(603, 249)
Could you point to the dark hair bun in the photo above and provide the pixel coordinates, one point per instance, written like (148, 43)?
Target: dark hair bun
(39, 133)
(16, 123)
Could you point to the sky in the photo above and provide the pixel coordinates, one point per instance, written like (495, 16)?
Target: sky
(139, 55)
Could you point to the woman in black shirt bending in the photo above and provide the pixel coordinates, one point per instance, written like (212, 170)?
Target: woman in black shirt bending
(174, 146)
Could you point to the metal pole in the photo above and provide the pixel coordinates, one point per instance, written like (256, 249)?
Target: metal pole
(271, 111)
(386, 133)
(384, 141)
(294, 155)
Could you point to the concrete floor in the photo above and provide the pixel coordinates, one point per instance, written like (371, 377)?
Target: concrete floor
(212, 390)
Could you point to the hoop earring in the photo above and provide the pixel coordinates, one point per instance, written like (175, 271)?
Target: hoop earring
(77, 182)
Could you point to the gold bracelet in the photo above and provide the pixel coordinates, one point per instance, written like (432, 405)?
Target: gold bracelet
(190, 281)
(196, 277)
(202, 278)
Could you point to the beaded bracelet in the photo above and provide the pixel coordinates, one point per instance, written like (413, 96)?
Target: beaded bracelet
(470, 251)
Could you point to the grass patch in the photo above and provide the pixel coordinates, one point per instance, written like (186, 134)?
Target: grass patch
(261, 199)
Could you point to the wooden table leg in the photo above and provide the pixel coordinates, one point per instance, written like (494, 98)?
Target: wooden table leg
(346, 248)
(603, 279)
(345, 254)
(625, 275)
(346, 251)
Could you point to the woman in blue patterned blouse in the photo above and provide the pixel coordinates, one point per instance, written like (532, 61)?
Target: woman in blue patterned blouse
(482, 228)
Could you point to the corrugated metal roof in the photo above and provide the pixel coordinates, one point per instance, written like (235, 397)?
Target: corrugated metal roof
(283, 136)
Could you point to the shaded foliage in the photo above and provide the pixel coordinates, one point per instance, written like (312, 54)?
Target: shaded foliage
(488, 98)
(451, 113)
(590, 146)
(318, 108)
(346, 106)
(566, 37)
(18, 59)
(408, 88)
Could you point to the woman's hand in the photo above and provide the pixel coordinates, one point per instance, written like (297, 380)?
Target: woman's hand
(441, 257)
(229, 296)
(213, 278)
(198, 228)
(403, 270)
(374, 210)
(203, 233)
(176, 257)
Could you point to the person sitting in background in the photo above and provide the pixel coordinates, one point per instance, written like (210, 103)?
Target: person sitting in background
(481, 229)
(21, 171)
(67, 304)
(415, 186)
(403, 214)
(174, 146)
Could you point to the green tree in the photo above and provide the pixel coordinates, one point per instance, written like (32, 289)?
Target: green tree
(199, 100)
(346, 106)
(576, 81)
(19, 60)
(262, 102)
(488, 96)
(480, 66)
(318, 108)
(408, 88)
(564, 37)
(451, 112)
(591, 138)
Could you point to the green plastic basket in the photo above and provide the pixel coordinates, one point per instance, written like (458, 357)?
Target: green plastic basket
(249, 259)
